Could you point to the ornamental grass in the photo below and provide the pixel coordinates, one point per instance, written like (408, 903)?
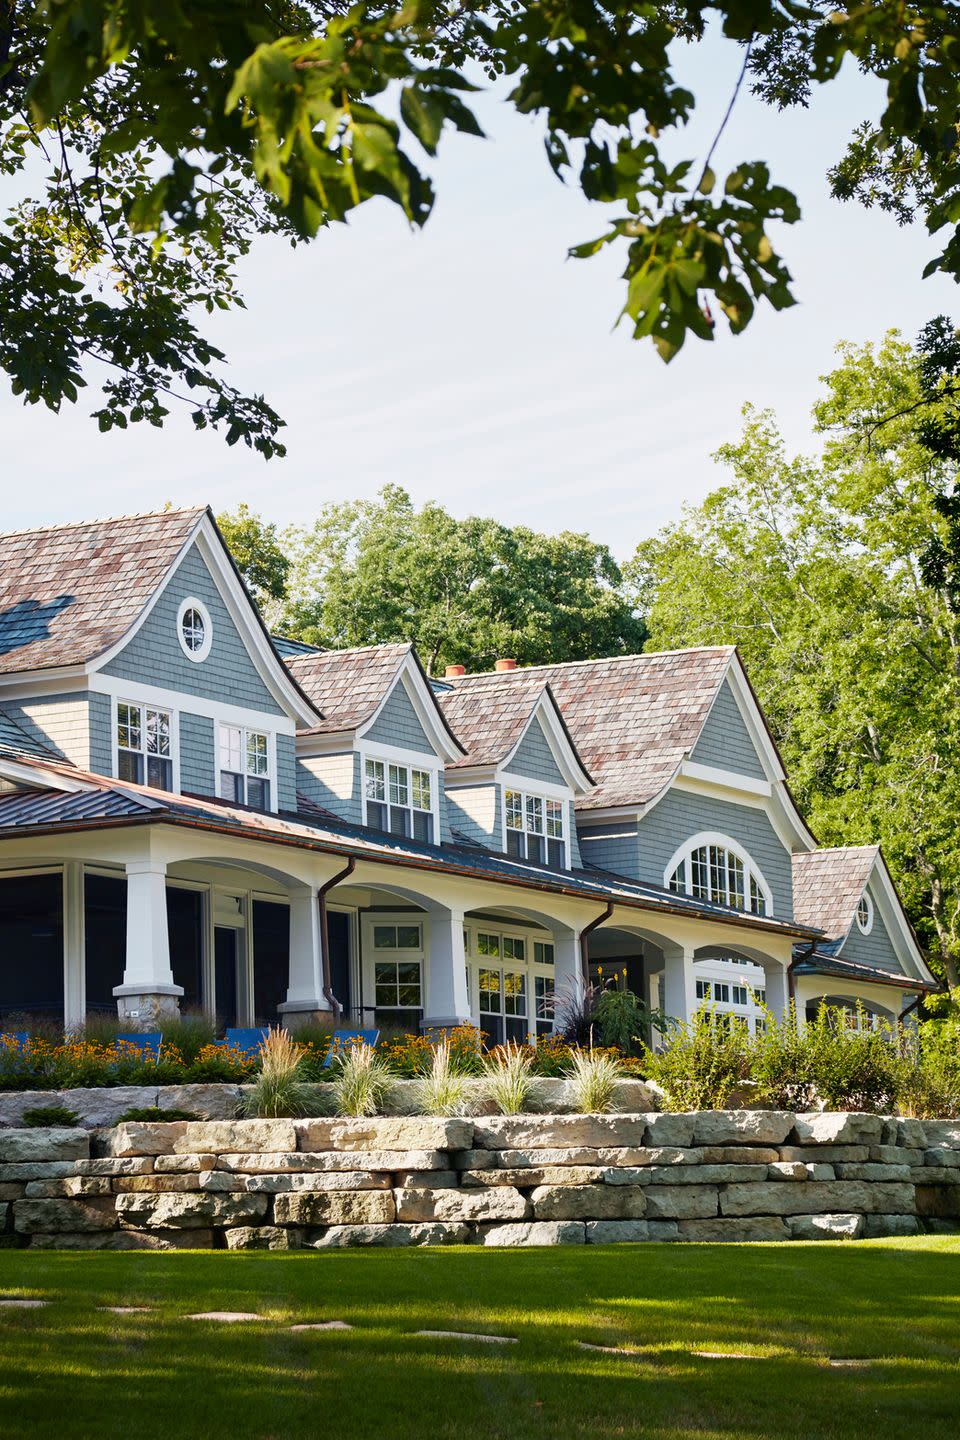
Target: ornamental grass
(278, 1091)
(508, 1079)
(593, 1077)
(443, 1090)
(362, 1081)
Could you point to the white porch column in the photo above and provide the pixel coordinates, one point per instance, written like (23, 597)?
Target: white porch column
(305, 997)
(74, 986)
(679, 989)
(777, 987)
(447, 1000)
(148, 992)
(567, 969)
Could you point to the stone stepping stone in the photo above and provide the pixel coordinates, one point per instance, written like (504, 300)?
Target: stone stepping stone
(322, 1325)
(605, 1349)
(726, 1355)
(467, 1335)
(226, 1317)
(14, 1303)
(840, 1362)
(126, 1309)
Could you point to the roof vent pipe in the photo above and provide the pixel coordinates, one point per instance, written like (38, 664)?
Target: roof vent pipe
(502, 665)
(452, 671)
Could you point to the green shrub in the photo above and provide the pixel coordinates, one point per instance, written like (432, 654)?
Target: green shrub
(150, 1113)
(50, 1115)
(782, 1064)
(702, 1063)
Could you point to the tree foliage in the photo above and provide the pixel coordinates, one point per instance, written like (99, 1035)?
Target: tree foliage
(815, 568)
(257, 552)
(153, 141)
(464, 591)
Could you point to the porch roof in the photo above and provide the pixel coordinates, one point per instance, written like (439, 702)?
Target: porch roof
(821, 962)
(94, 802)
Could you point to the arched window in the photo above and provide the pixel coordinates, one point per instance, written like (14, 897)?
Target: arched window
(714, 868)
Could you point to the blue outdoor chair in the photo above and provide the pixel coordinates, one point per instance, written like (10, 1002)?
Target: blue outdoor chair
(147, 1042)
(340, 1040)
(247, 1041)
(16, 1038)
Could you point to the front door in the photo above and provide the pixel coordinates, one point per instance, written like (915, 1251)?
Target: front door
(226, 958)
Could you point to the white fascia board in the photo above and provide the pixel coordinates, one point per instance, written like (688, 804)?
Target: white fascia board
(36, 777)
(718, 779)
(425, 708)
(331, 742)
(568, 764)
(36, 684)
(604, 814)
(268, 664)
(529, 786)
(469, 776)
(185, 703)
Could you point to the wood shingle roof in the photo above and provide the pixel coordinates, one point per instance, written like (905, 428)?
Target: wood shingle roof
(827, 885)
(70, 592)
(346, 686)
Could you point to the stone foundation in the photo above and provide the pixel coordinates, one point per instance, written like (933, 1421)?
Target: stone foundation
(501, 1180)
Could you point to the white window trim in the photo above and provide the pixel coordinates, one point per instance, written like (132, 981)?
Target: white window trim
(192, 603)
(413, 760)
(750, 868)
(538, 791)
(530, 968)
(271, 775)
(368, 955)
(865, 926)
(124, 699)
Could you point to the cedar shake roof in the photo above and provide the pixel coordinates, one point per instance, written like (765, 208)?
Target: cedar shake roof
(827, 885)
(70, 592)
(632, 718)
(346, 686)
(489, 719)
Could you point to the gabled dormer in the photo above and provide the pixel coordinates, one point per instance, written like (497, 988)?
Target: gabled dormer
(517, 786)
(378, 753)
(131, 647)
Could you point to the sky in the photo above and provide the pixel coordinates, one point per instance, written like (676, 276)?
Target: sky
(475, 365)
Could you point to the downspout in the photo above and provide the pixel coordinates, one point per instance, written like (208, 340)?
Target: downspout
(908, 1010)
(584, 937)
(791, 978)
(328, 994)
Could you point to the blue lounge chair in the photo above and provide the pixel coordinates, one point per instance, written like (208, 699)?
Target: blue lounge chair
(17, 1039)
(341, 1040)
(247, 1041)
(147, 1042)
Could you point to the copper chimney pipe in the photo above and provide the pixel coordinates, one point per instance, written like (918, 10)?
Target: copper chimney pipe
(502, 665)
(452, 671)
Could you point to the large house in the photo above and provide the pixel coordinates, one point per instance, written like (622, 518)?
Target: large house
(195, 814)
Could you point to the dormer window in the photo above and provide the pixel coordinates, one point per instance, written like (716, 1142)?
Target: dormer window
(721, 873)
(535, 826)
(143, 746)
(194, 629)
(399, 799)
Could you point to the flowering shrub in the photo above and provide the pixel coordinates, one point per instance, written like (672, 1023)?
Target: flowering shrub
(42, 1064)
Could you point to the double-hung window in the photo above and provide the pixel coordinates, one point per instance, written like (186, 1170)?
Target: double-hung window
(399, 799)
(244, 767)
(535, 827)
(398, 974)
(143, 745)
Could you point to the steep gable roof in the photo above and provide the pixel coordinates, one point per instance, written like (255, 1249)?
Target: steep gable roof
(632, 718)
(828, 884)
(346, 686)
(490, 719)
(70, 592)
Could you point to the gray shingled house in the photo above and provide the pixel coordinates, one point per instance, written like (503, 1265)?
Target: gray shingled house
(194, 814)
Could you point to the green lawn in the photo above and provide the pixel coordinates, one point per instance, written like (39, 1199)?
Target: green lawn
(71, 1370)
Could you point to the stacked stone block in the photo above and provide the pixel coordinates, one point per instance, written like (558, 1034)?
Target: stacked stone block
(504, 1180)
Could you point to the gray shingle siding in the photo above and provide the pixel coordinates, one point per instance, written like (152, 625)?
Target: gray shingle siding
(154, 655)
(198, 771)
(681, 815)
(613, 846)
(61, 723)
(332, 781)
(397, 724)
(286, 773)
(873, 949)
(101, 733)
(725, 741)
(534, 758)
(474, 811)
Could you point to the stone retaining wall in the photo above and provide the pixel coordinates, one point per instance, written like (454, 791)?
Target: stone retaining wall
(503, 1180)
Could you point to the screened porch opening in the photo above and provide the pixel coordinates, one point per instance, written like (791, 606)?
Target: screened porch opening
(31, 955)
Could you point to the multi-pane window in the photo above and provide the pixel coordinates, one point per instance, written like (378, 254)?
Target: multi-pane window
(543, 1003)
(397, 976)
(718, 874)
(503, 1004)
(193, 628)
(399, 799)
(542, 952)
(143, 746)
(244, 767)
(730, 998)
(535, 827)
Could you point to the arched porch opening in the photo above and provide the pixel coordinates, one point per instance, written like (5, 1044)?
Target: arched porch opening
(740, 981)
(850, 1012)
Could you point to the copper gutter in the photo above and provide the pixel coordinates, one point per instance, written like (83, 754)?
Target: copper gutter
(584, 941)
(328, 994)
